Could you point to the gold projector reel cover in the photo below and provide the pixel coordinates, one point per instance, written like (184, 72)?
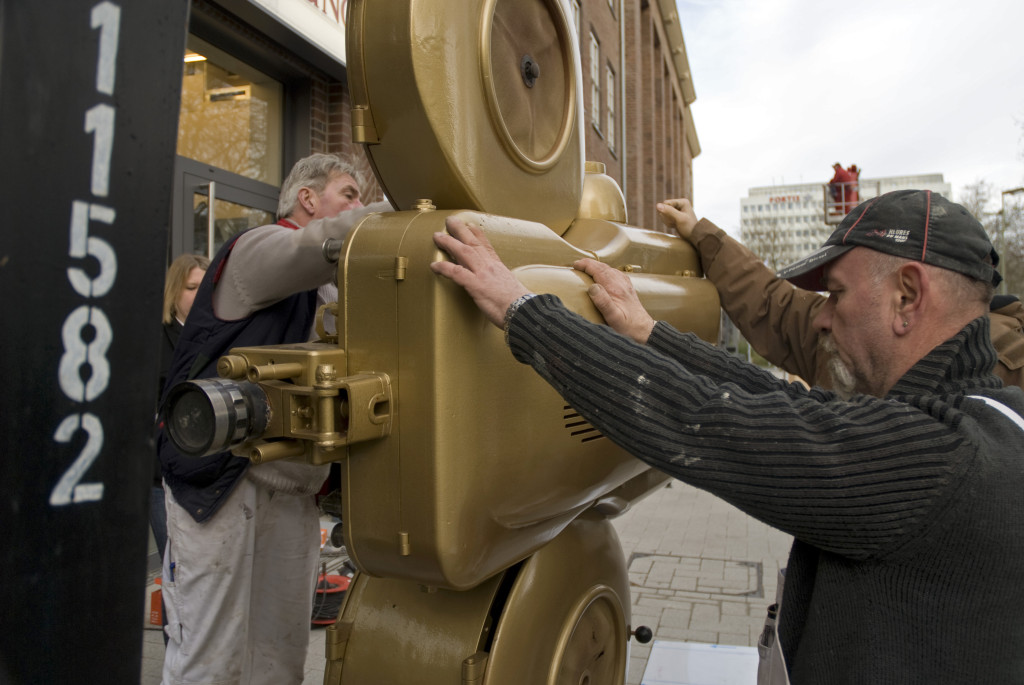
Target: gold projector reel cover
(474, 105)
(532, 110)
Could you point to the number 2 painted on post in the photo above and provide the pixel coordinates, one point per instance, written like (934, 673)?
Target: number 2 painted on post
(68, 489)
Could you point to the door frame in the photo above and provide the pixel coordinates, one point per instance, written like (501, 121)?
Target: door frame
(191, 177)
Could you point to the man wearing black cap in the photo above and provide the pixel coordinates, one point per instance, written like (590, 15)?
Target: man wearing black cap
(776, 317)
(903, 501)
(905, 225)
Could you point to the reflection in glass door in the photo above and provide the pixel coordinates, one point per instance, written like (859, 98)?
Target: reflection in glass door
(238, 203)
(231, 114)
(212, 229)
(229, 162)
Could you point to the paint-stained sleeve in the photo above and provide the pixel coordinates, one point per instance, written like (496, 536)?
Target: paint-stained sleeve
(793, 458)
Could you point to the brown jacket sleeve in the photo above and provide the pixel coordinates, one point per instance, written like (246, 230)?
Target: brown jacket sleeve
(775, 316)
(1008, 339)
(772, 314)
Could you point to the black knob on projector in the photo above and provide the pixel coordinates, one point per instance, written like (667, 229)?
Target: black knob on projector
(642, 634)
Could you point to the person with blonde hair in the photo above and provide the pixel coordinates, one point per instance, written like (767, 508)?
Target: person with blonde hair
(180, 284)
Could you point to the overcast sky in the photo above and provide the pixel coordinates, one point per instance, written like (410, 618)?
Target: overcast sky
(785, 88)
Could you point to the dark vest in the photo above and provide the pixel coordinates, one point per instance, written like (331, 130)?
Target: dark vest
(200, 485)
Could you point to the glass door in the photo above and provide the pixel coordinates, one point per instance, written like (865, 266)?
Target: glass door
(238, 203)
(231, 114)
(229, 163)
(212, 229)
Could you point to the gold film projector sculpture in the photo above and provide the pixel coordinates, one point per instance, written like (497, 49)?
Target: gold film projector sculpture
(476, 504)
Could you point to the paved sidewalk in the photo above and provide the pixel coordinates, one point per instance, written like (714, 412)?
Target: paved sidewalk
(701, 571)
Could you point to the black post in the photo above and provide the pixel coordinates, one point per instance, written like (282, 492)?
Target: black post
(89, 94)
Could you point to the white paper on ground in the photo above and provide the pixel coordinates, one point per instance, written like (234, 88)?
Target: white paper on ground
(694, 663)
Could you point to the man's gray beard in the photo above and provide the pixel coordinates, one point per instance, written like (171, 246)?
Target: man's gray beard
(843, 383)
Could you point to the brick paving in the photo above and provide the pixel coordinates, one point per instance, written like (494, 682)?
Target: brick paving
(700, 570)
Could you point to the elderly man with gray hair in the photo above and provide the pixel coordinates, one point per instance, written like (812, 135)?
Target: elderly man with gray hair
(240, 564)
(903, 497)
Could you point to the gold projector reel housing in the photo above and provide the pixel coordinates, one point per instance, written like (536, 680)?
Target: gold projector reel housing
(473, 104)
(529, 75)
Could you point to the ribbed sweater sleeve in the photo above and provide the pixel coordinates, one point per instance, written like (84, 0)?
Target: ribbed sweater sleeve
(269, 263)
(855, 478)
(774, 315)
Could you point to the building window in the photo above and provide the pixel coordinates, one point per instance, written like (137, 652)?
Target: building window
(595, 82)
(231, 115)
(610, 108)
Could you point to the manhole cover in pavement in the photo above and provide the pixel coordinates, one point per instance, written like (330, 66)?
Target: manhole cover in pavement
(696, 576)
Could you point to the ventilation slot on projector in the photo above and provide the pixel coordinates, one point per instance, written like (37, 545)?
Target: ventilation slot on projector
(579, 427)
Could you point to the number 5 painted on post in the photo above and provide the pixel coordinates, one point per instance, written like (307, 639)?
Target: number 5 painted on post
(82, 244)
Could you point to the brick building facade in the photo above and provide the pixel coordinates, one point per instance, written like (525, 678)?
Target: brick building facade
(267, 89)
(637, 92)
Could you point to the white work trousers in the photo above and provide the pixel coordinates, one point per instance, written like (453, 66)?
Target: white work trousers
(239, 598)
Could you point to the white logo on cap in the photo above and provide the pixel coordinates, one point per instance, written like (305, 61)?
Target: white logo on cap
(897, 235)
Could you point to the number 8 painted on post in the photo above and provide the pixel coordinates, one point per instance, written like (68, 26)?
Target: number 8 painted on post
(77, 353)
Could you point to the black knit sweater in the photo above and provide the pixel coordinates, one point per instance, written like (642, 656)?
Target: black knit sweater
(908, 560)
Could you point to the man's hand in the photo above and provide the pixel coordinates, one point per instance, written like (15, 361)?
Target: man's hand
(477, 268)
(614, 296)
(678, 214)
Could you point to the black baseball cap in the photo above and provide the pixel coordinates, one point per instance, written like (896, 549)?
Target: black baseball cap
(912, 224)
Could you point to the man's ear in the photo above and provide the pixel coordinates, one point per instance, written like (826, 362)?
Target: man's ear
(913, 288)
(307, 198)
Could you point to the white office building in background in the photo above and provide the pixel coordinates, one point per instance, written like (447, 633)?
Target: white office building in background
(782, 224)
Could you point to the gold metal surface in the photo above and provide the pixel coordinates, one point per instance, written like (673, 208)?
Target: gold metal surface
(481, 467)
(392, 632)
(566, 617)
(473, 669)
(364, 130)
(271, 451)
(273, 372)
(559, 618)
(526, 53)
(448, 444)
(475, 501)
(445, 111)
(602, 197)
(314, 410)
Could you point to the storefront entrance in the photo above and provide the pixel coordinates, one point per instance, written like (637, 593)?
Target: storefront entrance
(238, 203)
(230, 149)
